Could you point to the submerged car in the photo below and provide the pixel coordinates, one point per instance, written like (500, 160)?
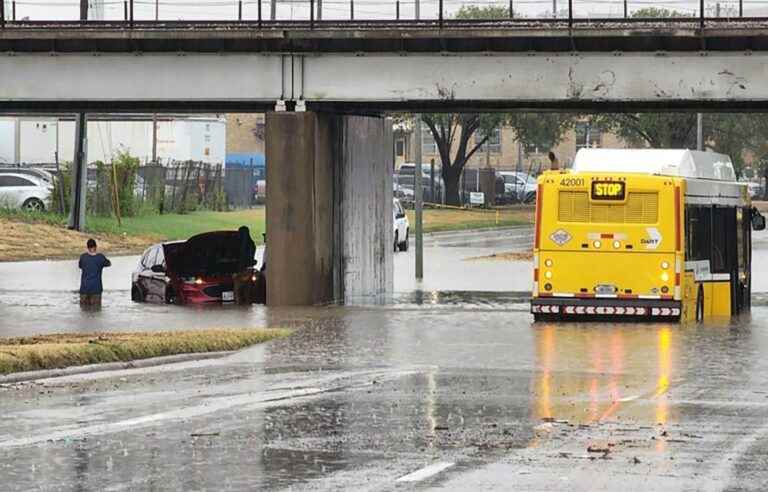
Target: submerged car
(194, 271)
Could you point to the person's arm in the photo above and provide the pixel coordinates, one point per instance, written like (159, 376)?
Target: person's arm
(80, 262)
(107, 263)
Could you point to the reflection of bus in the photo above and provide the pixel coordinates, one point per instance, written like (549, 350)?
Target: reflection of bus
(643, 234)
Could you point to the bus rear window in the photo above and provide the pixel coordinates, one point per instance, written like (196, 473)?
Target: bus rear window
(641, 207)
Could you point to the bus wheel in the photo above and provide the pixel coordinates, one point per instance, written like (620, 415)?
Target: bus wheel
(700, 305)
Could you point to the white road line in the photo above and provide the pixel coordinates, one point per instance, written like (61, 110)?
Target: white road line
(629, 398)
(426, 472)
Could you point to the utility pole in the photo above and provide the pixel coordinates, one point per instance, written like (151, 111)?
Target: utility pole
(699, 131)
(417, 193)
(79, 174)
(17, 141)
(154, 138)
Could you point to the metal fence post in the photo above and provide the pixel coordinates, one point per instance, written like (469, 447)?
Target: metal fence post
(311, 14)
(511, 9)
(625, 9)
(239, 10)
(130, 13)
(741, 8)
(397, 10)
(351, 9)
(13, 10)
(259, 13)
(570, 13)
(2, 13)
(701, 14)
(440, 17)
(125, 10)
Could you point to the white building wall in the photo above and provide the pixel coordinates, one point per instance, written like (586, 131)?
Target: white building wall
(200, 139)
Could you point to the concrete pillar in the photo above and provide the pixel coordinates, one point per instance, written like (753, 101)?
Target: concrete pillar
(329, 208)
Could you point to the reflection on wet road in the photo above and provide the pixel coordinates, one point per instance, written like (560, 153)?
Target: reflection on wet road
(449, 390)
(360, 397)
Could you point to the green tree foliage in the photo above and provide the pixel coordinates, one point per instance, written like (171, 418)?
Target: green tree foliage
(540, 130)
(656, 13)
(488, 12)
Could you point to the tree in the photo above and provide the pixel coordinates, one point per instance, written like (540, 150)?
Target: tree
(455, 131)
(540, 130)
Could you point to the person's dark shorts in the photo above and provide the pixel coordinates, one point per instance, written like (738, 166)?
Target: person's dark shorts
(90, 299)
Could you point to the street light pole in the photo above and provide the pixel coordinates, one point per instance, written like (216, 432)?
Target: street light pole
(699, 131)
(418, 199)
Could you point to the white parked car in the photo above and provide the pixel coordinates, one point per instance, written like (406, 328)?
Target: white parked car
(19, 190)
(520, 185)
(401, 226)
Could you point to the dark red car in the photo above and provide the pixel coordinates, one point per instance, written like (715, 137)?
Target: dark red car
(194, 271)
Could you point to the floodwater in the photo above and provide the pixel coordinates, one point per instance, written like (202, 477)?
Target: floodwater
(441, 389)
(40, 296)
(363, 398)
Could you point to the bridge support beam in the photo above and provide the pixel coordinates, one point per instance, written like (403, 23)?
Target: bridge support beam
(329, 208)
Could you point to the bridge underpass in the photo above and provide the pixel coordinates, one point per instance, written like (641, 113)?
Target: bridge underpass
(329, 155)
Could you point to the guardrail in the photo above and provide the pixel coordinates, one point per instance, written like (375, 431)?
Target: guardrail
(308, 14)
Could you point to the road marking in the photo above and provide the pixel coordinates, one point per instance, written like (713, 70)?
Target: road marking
(629, 398)
(426, 472)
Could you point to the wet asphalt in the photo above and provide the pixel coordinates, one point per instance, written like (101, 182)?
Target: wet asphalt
(437, 390)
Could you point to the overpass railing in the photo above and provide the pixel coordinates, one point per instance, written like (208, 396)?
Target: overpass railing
(361, 14)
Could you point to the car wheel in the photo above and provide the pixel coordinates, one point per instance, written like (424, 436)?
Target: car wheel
(136, 295)
(34, 204)
(396, 242)
(404, 244)
(530, 197)
(170, 296)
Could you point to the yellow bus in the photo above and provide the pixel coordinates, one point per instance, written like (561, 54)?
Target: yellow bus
(643, 234)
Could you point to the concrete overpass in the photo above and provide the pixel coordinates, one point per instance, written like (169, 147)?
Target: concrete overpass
(375, 66)
(329, 228)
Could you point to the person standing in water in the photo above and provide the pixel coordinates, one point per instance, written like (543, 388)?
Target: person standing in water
(91, 265)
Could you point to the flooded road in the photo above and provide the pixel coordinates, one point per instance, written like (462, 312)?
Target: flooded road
(442, 389)
(413, 397)
(40, 296)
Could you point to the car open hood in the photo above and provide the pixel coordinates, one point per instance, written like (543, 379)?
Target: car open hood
(210, 253)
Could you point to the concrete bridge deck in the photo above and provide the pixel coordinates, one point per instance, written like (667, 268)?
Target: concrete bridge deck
(370, 36)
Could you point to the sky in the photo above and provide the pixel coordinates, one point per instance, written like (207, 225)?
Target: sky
(364, 9)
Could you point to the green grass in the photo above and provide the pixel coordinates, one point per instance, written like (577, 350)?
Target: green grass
(436, 220)
(170, 227)
(177, 226)
(65, 350)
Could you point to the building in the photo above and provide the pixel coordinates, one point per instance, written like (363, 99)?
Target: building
(502, 151)
(37, 140)
(245, 140)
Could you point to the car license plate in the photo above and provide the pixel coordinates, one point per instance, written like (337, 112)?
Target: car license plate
(228, 296)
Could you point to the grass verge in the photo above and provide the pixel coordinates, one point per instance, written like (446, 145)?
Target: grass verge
(66, 350)
(177, 226)
(507, 256)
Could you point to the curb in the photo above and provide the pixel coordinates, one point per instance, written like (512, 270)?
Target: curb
(22, 377)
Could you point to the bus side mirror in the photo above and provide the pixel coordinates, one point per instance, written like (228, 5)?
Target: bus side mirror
(758, 221)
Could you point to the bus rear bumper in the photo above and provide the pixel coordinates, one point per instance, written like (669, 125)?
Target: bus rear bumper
(581, 308)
